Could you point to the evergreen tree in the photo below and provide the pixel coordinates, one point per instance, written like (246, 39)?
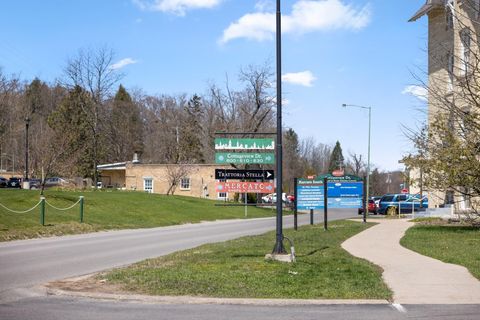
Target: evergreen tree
(190, 144)
(126, 127)
(336, 159)
(291, 154)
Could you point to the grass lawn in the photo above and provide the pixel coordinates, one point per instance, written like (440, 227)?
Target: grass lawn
(449, 243)
(105, 210)
(237, 269)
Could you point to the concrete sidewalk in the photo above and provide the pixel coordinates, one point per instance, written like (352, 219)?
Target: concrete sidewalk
(413, 278)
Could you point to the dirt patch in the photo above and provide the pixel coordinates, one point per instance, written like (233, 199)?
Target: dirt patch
(90, 283)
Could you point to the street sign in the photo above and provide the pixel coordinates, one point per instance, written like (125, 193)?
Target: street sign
(245, 187)
(244, 158)
(244, 144)
(229, 174)
(345, 189)
(310, 194)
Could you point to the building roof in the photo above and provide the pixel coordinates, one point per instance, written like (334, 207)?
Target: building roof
(113, 166)
(426, 8)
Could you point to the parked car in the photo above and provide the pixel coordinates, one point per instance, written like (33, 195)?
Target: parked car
(377, 200)
(3, 182)
(35, 183)
(15, 182)
(372, 207)
(390, 203)
(55, 182)
(272, 198)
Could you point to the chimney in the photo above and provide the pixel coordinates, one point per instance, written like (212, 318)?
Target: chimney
(135, 158)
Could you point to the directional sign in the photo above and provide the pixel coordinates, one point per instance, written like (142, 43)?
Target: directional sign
(310, 194)
(245, 158)
(343, 189)
(225, 174)
(244, 144)
(245, 187)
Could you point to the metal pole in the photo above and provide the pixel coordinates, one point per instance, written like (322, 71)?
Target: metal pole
(295, 210)
(27, 123)
(368, 165)
(311, 217)
(42, 211)
(325, 203)
(279, 248)
(81, 209)
(246, 205)
(365, 203)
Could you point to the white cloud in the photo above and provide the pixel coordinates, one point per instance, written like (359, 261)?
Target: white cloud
(306, 16)
(122, 63)
(416, 91)
(178, 7)
(304, 78)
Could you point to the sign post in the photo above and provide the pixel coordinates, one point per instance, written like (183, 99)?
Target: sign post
(325, 205)
(295, 212)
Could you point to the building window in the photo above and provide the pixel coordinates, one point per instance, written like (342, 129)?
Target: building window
(449, 9)
(185, 184)
(450, 67)
(222, 196)
(465, 37)
(148, 185)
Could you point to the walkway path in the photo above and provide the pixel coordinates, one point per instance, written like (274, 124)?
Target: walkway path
(413, 278)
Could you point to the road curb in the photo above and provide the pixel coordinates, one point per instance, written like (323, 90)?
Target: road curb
(204, 300)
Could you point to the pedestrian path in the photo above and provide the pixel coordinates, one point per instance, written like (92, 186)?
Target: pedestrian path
(413, 278)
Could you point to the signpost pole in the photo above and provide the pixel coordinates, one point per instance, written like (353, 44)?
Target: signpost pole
(295, 196)
(279, 248)
(311, 217)
(365, 202)
(325, 203)
(246, 205)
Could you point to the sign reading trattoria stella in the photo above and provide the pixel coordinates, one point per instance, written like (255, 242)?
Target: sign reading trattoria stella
(245, 158)
(244, 144)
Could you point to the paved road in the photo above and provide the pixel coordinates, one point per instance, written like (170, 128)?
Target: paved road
(50, 308)
(27, 263)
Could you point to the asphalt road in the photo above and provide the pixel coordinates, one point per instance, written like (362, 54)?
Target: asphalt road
(31, 262)
(25, 264)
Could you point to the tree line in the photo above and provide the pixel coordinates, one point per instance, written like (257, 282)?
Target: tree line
(88, 118)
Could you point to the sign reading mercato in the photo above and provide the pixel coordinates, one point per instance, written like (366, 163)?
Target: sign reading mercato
(245, 187)
(244, 158)
(230, 174)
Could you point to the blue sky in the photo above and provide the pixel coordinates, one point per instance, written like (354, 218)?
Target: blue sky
(334, 51)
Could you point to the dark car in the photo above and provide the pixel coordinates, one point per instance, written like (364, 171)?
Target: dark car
(372, 207)
(14, 182)
(3, 182)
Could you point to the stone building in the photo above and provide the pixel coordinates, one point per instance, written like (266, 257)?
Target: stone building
(453, 27)
(195, 180)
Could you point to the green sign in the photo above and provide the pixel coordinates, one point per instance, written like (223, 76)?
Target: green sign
(244, 144)
(245, 158)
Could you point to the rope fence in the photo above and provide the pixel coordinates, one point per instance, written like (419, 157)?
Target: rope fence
(44, 202)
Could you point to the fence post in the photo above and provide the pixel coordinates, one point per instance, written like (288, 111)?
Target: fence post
(81, 209)
(42, 210)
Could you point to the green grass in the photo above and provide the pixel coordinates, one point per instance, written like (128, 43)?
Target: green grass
(237, 269)
(448, 243)
(106, 210)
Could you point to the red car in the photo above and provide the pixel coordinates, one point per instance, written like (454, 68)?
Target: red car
(372, 207)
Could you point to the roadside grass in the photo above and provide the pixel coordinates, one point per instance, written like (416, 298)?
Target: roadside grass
(448, 243)
(107, 210)
(238, 269)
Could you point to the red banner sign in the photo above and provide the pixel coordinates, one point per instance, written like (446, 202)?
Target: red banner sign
(245, 187)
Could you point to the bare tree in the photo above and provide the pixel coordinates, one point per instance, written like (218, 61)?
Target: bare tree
(175, 173)
(93, 70)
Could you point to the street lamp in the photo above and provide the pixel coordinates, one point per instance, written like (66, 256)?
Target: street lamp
(27, 124)
(368, 156)
(279, 248)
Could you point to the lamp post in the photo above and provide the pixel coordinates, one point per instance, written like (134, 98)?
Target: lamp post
(27, 124)
(279, 248)
(368, 155)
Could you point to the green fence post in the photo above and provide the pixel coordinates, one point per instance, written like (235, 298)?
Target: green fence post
(42, 211)
(81, 209)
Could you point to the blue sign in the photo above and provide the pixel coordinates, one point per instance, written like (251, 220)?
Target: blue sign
(345, 189)
(310, 196)
(346, 194)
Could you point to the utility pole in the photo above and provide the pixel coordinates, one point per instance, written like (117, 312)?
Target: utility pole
(27, 124)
